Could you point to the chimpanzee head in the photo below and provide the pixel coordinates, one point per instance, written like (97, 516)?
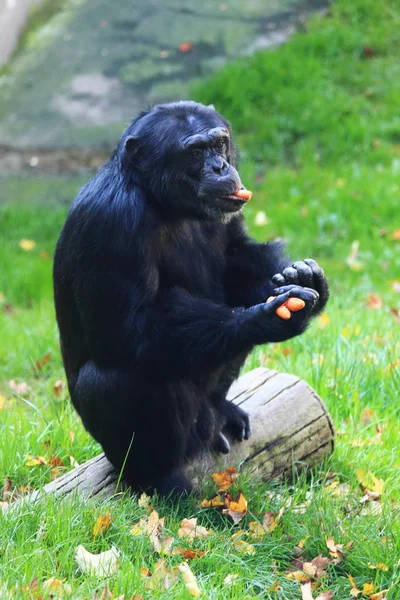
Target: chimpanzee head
(183, 155)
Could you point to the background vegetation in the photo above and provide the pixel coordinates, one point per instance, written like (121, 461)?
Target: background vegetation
(319, 133)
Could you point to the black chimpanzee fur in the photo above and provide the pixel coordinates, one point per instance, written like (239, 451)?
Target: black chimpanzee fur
(160, 295)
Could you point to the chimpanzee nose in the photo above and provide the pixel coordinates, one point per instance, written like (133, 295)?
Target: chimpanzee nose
(219, 165)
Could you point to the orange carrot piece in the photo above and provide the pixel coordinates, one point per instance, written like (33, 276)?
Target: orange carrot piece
(283, 312)
(295, 304)
(244, 194)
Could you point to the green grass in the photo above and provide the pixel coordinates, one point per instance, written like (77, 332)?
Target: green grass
(319, 134)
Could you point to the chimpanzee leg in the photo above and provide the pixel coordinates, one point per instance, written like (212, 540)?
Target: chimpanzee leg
(233, 420)
(146, 437)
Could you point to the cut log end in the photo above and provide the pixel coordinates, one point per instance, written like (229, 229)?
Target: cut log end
(291, 430)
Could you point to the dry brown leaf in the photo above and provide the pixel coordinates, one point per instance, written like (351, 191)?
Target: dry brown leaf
(55, 461)
(226, 479)
(58, 387)
(105, 594)
(189, 580)
(187, 554)
(41, 362)
(325, 596)
(275, 587)
(256, 530)
(298, 576)
(4, 506)
(317, 567)
(395, 236)
(103, 522)
(374, 301)
(19, 389)
(306, 593)
(271, 520)
(104, 564)
(335, 550)
(190, 529)
(367, 416)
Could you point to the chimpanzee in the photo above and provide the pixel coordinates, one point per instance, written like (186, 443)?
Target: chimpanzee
(160, 295)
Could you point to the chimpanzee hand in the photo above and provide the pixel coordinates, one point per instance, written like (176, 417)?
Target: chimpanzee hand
(262, 325)
(306, 273)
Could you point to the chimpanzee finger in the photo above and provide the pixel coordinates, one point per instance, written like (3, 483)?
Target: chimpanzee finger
(320, 282)
(279, 279)
(291, 276)
(297, 291)
(305, 273)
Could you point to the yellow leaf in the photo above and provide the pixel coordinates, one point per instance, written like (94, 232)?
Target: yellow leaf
(379, 484)
(230, 579)
(103, 522)
(57, 587)
(214, 502)
(379, 566)
(2, 298)
(27, 245)
(189, 579)
(3, 401)
(298, 576)
(354, 589)
(244, 547)
(226, 479)
(33, 461)
(368, 588)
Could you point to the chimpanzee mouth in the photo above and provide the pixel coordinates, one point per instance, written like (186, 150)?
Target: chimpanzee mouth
(232, 203)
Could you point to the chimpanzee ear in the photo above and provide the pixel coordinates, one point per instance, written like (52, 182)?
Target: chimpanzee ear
(132, 144)
(211, 106)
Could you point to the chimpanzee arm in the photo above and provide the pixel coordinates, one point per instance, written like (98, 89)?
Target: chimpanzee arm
(173, 333)
(250, 266)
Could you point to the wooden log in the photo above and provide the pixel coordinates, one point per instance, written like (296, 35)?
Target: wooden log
(291, 429)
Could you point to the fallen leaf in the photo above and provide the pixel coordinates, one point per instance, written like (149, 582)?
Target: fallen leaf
(367, 416)
(374, 301)
(214, 502)
(190, 529)
(19, 389)
(231, 579)
(104, 564)
(58, 387)
(368, 588)
(105, 594)
(185, 47)
(4, 402)
(189, 580)
(395, 236)
(144, 500)
(306, 593)
(271, 520)
(236, 508)
(4, 506)
(33, 461)
(188, 554)
(57, 587)
(226, 479)
(103, 522)
(317, 567)
(256, 530)
(162, 577)
(379, 595)
(335, 550)
(39, 364)
(354, 589)
(379, 566)
(241, 545)
(275, 587)
(27, 245)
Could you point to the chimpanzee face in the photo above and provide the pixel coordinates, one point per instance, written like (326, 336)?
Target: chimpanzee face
(184, 154)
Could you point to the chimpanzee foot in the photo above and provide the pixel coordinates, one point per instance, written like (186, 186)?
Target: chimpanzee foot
(235, 421)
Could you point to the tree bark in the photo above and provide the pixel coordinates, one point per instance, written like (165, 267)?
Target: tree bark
(291, 430)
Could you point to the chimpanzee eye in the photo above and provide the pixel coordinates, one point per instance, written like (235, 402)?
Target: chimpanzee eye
(196, 153)
(220, 144)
